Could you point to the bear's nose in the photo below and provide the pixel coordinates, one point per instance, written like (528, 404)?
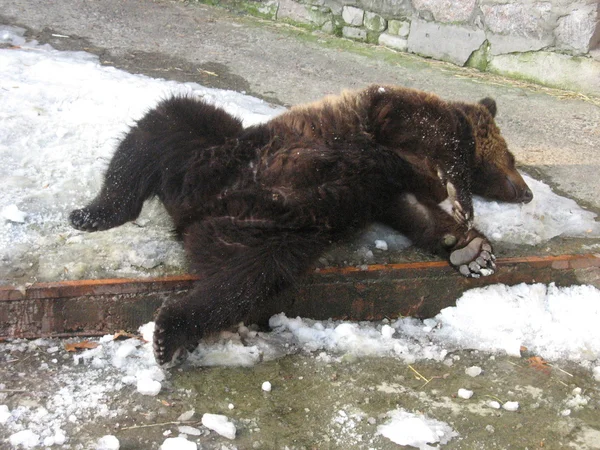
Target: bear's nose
(527, 195)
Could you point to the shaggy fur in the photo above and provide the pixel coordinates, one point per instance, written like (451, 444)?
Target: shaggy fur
(256, 207)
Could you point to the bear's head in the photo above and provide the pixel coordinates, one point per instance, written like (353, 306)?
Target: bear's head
(495, 175)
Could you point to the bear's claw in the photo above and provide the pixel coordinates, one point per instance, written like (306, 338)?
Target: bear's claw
(474, 259)
(173, 337)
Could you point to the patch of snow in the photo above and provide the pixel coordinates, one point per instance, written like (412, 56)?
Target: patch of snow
(108, 442)
(4, 414)
(13, 214)
(178, 443)
(220, 424)
(148, 386)
(510, 406)
(24, 438)
(415, 430)
(266, 386)
(381, 244)
(465, 393)
(473, 371)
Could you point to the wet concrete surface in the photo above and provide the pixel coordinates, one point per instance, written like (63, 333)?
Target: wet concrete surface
(319, 402)
(555, 136)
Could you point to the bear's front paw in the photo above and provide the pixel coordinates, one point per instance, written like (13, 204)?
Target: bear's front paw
(174, 335)
(87, 219)
(474, 259)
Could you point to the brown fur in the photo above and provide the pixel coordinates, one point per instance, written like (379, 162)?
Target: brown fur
(256, 207)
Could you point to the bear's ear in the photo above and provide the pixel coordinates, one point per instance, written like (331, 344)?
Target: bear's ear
(490, 104)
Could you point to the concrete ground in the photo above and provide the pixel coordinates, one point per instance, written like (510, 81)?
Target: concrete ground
(555, 136)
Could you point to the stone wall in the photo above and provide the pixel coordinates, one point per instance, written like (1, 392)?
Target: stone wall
(553, 42)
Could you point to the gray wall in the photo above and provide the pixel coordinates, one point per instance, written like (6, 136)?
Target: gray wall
(553, 42)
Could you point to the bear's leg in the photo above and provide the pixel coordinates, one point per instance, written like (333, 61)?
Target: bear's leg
(242, 264)
(132, 177)
(431, 228)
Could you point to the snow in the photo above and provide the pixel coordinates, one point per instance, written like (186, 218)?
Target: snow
(108, 442)
(266, 386)
(4, 414)
(415, 430)
(381, 244)
(178, 443)
(465, 393)
(25, 438)
(62, 114)
(510, 406)
(220, 424)
(473, 371)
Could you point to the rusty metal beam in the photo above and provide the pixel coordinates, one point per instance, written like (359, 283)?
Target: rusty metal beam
(422, 289)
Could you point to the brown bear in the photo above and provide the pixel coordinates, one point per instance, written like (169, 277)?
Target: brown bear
(256, 207)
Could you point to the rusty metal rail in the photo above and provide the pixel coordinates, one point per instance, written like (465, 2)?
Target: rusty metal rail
(422, 289)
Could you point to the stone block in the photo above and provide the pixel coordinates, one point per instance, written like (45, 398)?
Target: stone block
(328, 27)
(579, 31)
(267, 9)
(529, 20)
(452, 43)
(289, 9)
(335, 6)
(447, 10)
(319, 15)
(353, 16)
(399, 27)
(392, 9)
(358, 34)
(374, 22)
(501, 44)
(552, 69)
(393, 41)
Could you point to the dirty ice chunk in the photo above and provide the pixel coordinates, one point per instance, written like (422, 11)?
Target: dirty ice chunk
(494, 404)
(24, 438)
(108, 442)
(473, 371)
(148, 386)
(178, 443)
(465, 393)
(220, 424)
(511, 406)
(186, 416)
(13, 214)
(381, 244)
(415, 430)
(266, 386)
(190, 431)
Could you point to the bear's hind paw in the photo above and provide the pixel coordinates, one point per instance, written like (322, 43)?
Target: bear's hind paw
(474, 259)
(174, 339)
(92, 219)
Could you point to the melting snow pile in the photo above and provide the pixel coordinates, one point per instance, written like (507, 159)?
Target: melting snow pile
(62, 115)
(416, 430)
